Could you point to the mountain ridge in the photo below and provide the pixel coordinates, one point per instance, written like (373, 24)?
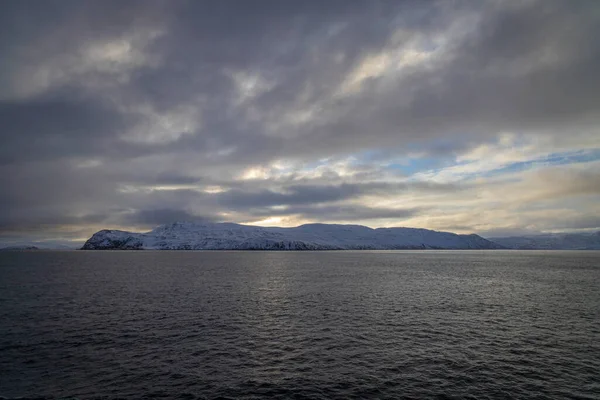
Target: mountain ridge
(552, 241)
(231, 236)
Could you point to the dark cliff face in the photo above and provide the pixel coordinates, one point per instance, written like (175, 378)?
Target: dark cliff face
(113, 240)
(114, 245)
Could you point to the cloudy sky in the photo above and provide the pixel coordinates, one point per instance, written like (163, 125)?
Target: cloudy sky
(467, 116)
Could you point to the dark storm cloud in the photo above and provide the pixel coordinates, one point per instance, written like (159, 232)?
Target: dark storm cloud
(342, 213)
(29, 208)
(294, 194)
(52, 128)
(100, 97)
(528, 66)
(162, 216)
(41, 222)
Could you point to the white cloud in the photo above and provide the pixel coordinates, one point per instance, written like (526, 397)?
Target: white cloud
(510, 149)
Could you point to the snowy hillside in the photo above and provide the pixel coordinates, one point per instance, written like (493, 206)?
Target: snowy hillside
(564, 241)
(229, 236)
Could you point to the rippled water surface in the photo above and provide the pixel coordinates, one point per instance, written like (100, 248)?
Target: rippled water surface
(455, 324)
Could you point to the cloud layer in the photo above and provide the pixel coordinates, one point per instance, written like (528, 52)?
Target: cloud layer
(465, 116)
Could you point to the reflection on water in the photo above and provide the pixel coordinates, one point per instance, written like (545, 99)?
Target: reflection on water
(300, 324)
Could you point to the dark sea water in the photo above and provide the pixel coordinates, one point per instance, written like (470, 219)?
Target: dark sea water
(400, 324)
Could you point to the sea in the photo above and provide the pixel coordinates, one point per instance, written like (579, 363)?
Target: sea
(300, 325)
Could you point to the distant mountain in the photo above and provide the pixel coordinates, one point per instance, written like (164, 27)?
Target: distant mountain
(554, 241)
(229, 236)
(18, 248)
(40, 245)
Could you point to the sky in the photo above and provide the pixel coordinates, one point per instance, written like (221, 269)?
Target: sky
(465, 116)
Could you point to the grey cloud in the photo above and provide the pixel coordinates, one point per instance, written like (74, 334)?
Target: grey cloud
(495, 80)
(555, 183)
(586, 222)
(343, 213)
(548, 224)
(294, 194)
(31, 224)
(525, 67)
(54, 34)
(162, 216)
(53, 128)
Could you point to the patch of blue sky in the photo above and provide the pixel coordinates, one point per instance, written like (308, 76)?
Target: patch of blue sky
(314, 165)
(371, 156)
(573, 157)
(414, 165)
(389, 160)
(554, 159)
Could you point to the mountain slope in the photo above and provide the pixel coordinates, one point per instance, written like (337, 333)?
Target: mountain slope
(562, 241)
(229, 236)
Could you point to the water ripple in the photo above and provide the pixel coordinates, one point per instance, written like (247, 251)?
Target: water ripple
(237, 325)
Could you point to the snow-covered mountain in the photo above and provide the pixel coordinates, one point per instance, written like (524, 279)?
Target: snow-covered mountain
(229, 236)
(554, 241)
